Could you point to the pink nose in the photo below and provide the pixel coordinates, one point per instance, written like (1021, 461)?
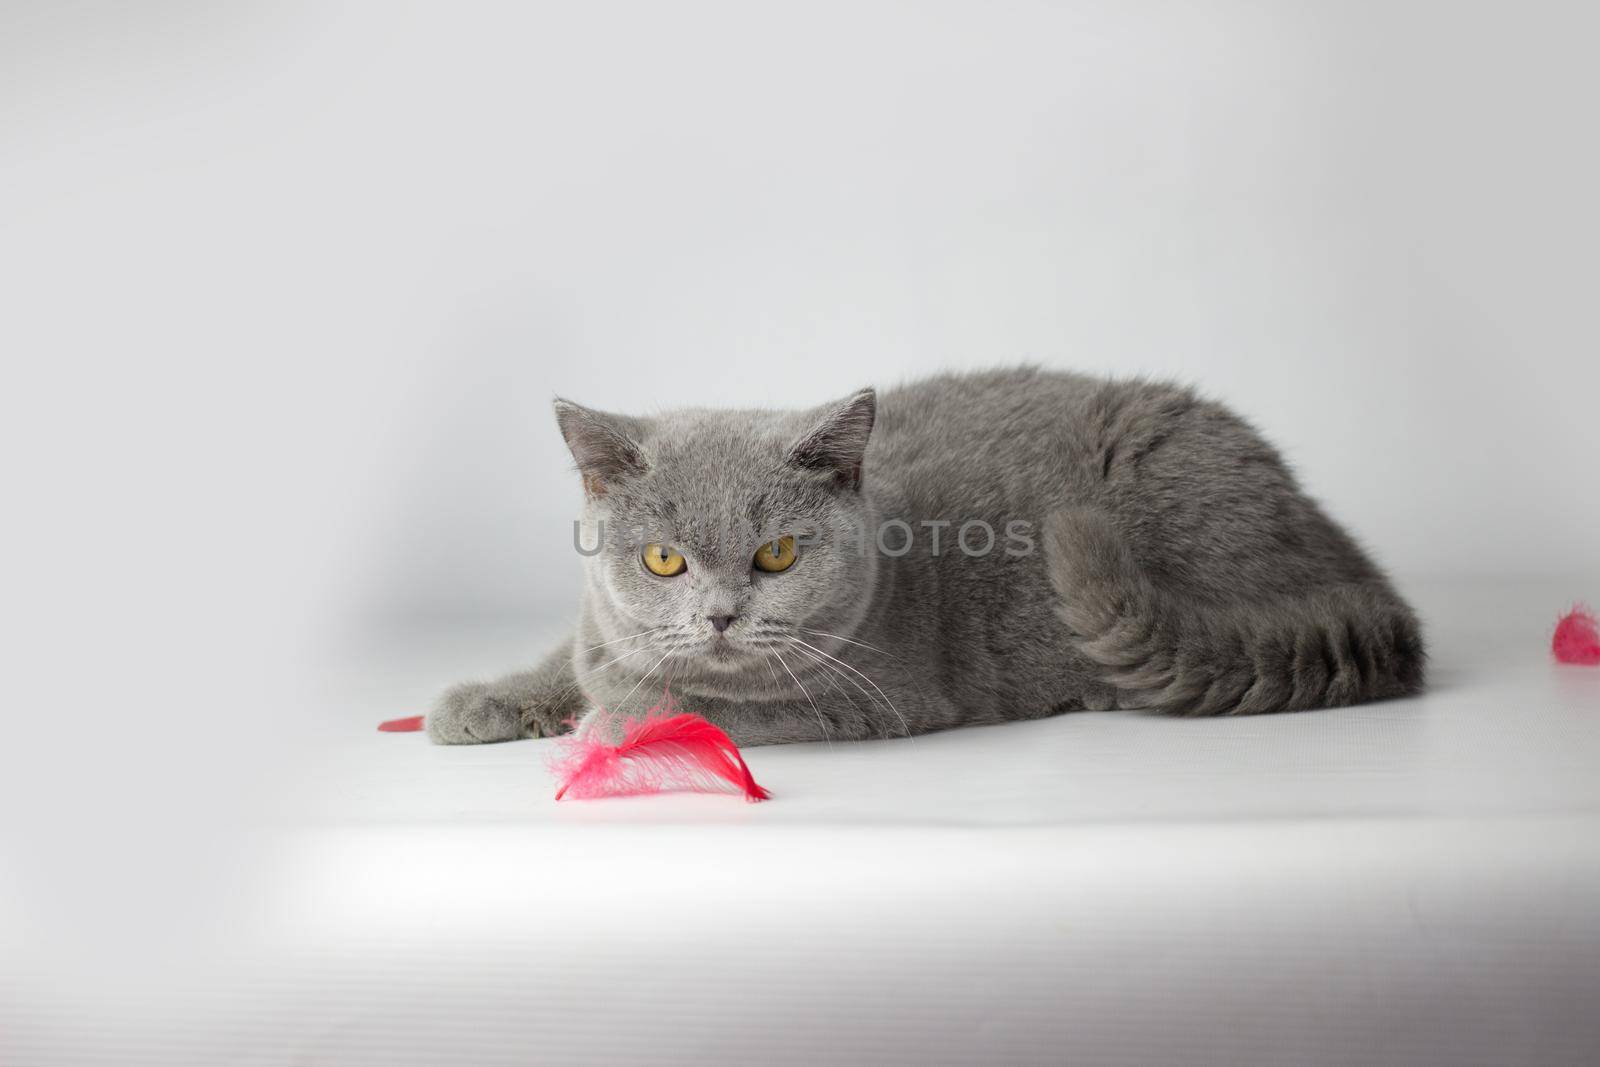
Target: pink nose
(720, 623)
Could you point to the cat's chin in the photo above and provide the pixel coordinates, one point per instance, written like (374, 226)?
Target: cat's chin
(721, 654)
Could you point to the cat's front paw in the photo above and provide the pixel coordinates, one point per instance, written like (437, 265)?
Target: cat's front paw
(472, 714)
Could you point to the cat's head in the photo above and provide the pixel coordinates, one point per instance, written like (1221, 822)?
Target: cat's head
(725, 529)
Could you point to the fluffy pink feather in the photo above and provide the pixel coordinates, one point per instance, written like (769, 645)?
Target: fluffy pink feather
(1577, 638)
(666, 751)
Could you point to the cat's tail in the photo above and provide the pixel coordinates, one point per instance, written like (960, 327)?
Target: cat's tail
(1324, 647)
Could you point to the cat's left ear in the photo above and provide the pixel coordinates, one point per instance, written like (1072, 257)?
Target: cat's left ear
(837, 439)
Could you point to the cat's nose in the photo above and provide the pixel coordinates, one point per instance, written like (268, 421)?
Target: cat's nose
(720, 623)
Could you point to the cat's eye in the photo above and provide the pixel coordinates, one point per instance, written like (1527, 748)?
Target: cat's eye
(776, 555)
(664, 560)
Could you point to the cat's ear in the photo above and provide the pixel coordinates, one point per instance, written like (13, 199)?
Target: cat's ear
(837, 440)
(604, 446)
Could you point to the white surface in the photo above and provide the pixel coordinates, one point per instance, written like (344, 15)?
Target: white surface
(1406, 882)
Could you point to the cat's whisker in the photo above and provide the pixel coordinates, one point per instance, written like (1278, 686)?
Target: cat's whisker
(642, 679)
(759, 642)
(618, 641)
(577, 686)
(833, 670)
(904, 725)
(820, 721)
(611, 663)
(832, 674)
(851, 641)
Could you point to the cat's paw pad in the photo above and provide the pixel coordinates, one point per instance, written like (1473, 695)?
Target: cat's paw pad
(472, 714)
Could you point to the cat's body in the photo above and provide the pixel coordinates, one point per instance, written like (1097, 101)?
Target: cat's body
(1145, 548)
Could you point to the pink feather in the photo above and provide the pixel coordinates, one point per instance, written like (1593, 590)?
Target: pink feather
(1577, 638)
(666, 751)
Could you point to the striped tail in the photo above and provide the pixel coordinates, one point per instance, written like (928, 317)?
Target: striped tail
(1326, 647)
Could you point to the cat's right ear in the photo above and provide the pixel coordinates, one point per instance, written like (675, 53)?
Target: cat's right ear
(605, 447)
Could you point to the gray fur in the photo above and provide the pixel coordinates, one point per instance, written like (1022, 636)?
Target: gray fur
(1175, 564)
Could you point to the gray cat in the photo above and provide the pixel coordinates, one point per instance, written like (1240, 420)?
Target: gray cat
(968, 549)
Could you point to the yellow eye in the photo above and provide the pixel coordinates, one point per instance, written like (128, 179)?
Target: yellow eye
(664, 560)
(776, 556)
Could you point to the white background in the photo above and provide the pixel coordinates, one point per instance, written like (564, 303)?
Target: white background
(304, 278)
(286, 289)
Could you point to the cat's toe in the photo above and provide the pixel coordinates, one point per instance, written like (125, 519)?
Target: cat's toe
(471, 714)
(548, 723)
